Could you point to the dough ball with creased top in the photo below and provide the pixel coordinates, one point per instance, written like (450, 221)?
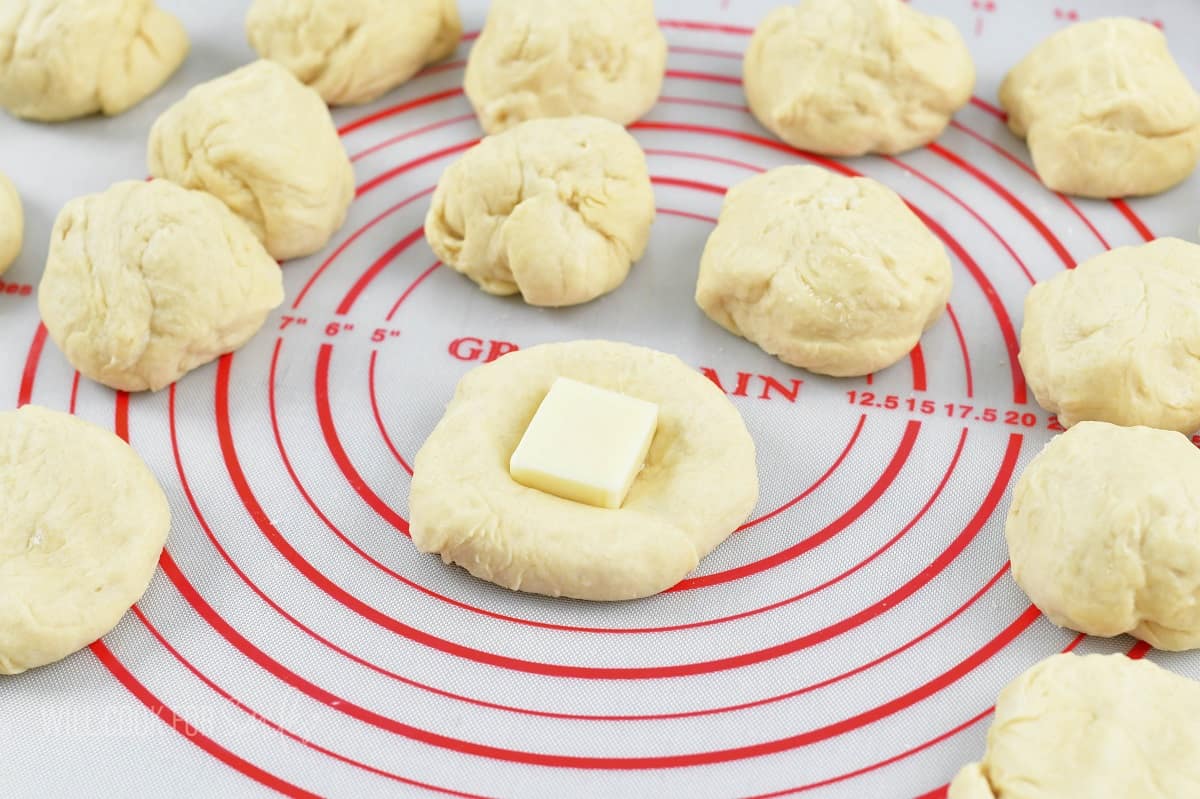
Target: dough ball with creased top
(832, 274)
(12, 223)
(556, 209)
(352, 51)
(848, 77)
(1090, 727)
(264, 144)
(1104, 533)
(83, 526)
(1117, 339)
(1105, 109)
(61, 59)
(556, 58)
(147, 281)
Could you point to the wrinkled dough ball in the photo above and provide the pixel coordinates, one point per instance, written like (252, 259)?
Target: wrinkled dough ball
(556, 209)
(352, 51)
(698, 484)
(83, 526)
(557, 58)
(832, 274)
(1104, 533)
(62, 59)
(12, 223)
(265, 145)
(1117, 339)
(848, 77)
(1105, 109)
(1090, 727)
(147, 281)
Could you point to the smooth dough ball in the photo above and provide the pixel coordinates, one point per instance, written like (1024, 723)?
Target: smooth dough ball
(1090, 727)
(832, 274)
(1117, 339)
(352, 51)
(147, 281)
(264, 144)
(62, 59)
(1104, 533)
(847, 77)
(84, 523)
(12, 223)
(1105, 109)
(557, 58)
(699, 482)
(556, 209)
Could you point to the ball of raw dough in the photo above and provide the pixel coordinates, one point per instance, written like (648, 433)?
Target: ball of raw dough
(1118, 338)
(147, 281)
(847, 77)
(83, 525)
(1090, 727)
(699, 482)
(264, 144)
(352, 51)
(1104, 533)
(556, 209)
(829, 273)
(557, 58)
(1105, 109)
(12, 223)
(61, 59)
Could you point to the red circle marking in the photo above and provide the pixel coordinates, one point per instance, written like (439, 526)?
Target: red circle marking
(262, 520)
(176, 722)
(280, 728)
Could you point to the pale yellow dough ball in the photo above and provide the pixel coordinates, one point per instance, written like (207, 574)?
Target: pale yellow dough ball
(83, 526)
(1117, 339)
(698, 484)
(555, 209)
(264, 144)
(832, 274)
(848, 77)
(1090, 727)
(1104, 533)
(12, 223)
(555, 58)
(147, 281)
(62, 59)
(1105, 109)
(352, 51)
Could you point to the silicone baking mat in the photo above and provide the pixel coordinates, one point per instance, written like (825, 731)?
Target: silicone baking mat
(848, 642)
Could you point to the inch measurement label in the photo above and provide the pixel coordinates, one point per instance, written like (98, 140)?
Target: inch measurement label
(15, 289)
(339, 329)
(919, 406)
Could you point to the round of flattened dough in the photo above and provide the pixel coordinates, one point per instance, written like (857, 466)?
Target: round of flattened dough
(62, 59)
(1105, 109)
(847, 77)
(1090, 727)
(1104, 533)
(829, 273)
(556, 209)
(147, 281)
(83, 525)
(352, 51)
(556, 58)
(264, 144)
(12, 223)
(1117, 339)
(699, 482)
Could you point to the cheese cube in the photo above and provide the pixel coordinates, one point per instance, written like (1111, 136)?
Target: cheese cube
(585, 444)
